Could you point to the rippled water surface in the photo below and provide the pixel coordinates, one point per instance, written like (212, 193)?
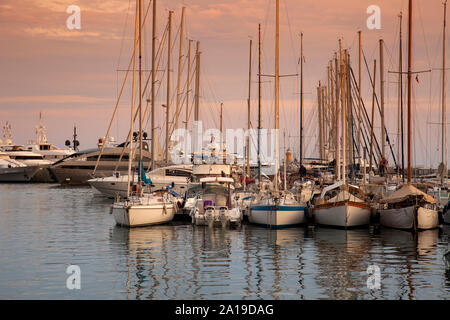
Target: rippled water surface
(45, 228)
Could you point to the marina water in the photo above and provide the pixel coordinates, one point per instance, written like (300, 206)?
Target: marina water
(46, 228)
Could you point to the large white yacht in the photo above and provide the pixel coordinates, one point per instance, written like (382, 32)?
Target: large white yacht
(79, 167)
(14, 171)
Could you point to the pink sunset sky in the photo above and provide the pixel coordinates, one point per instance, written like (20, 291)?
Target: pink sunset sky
(71, 75)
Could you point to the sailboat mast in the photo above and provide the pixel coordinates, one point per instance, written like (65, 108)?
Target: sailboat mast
(383, 132)
(248, 111)
(130, 156)
(140, 86)
(197, 83)
(153, 84)
(338, 127)
(277, 92)
(301, 99)
(187, 97)
(401, 98)
(409, 86)
(444, 115)
(259, 103)
(180, 55)
(373, 115)
(359, 99)
(169, 58)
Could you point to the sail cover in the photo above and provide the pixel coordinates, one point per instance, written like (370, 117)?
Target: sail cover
(405, 192)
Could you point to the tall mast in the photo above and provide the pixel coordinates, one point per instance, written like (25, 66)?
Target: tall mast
(197, 82)
(343, 111)
(180, 55)
(169, 58)
(373, 114)
(248, 105)
(320, 116)
(259, 103)
(359, 99)
(197, 143)
(338, 127)
(221, 126)
(400, 66)
(153, 84)
(344, 116)
(277, 92)
(187, 93)
(301, 99)
(409, 86)
(332, 109)
(383, 132)
(130, 156)
(140, 87)
(444, 113)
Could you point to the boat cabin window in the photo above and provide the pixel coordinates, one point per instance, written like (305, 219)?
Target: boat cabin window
(177, 173)
(44, 147)
(28, 157)
(108, 157)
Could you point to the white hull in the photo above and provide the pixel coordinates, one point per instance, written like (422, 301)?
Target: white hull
(403, 218)
(343, 215)
(277, 216)
(18, 174)
(142, 215)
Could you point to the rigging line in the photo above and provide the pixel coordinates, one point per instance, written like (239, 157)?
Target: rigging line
(118, 100)
(379, 109)
(123, 35)
(290, 29)
(423, 34)
(184, 97)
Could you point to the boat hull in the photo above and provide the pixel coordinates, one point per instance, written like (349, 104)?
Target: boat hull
(342, 214)
(43, 175)
(18, 174)
(142, 215)
(277, 216)
(404, 218)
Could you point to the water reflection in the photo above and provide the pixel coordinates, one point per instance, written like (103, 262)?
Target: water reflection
(43, 229)
(187, 262)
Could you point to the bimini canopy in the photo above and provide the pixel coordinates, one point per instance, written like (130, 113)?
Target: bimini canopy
(405, 192)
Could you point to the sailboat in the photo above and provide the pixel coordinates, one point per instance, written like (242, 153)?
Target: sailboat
(342, 205)
(139, 208)
(276, 208)
(409, 208)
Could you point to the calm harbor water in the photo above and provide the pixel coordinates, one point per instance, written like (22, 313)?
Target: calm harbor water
(45, 228)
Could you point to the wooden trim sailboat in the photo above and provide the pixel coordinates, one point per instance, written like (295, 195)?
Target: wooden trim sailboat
(409, 208)
(341, 204)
